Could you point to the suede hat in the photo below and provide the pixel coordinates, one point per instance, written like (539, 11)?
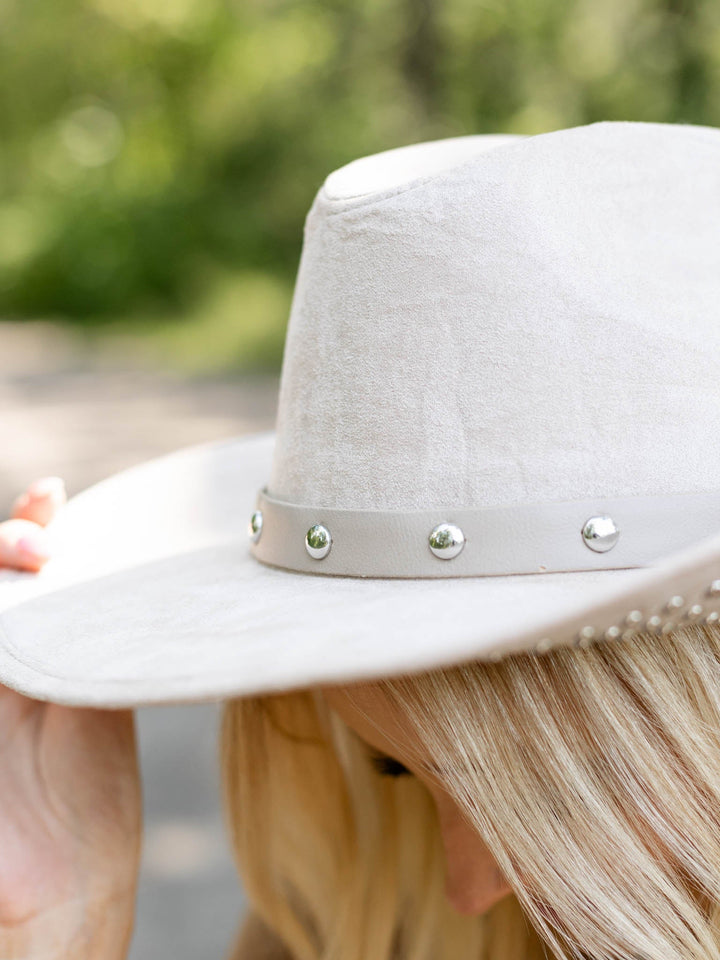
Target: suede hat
(498, 431)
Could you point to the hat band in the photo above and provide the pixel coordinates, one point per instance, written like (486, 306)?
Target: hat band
(596, 534)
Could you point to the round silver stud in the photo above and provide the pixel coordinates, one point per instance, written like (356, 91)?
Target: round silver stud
(694, 612)
(714, 589)
(318, 541)
(255, 526)
(712, 617)
(612, 633)
(446, 541)
(585, 636)
(653, 623)
(674, 603)
(600, 534)
(667, 627)
(633, 618)
(542, 646)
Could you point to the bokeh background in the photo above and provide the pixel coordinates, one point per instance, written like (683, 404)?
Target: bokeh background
(157, 159)
(158, 156)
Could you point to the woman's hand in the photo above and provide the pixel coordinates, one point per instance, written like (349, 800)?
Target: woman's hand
(70, 813)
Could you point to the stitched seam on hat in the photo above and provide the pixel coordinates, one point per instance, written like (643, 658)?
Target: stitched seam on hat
(334, 208)
(696, 132)
(10, 649)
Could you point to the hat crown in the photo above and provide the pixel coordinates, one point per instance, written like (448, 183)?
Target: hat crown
(494, 320)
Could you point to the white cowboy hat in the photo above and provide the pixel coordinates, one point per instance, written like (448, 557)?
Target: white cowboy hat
(499, 430)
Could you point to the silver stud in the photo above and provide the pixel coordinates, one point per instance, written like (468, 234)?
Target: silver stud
(714, 589)
(634, 617)
(600, 534)
(667, 627)
(446, 541)
(255, 526)
(694, 612)
(542, 646)
(712, 617)
(612, 633)
(318, 541)
(653, 623)
(674, 603)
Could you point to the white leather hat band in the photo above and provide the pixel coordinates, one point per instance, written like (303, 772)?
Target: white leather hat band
(596, 534)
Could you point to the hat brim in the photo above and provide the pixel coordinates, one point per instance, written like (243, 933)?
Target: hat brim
(152, 597)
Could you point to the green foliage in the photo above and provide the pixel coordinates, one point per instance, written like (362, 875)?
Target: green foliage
(150, 147)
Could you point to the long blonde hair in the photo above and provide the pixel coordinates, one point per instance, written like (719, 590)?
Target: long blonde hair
(593, 776)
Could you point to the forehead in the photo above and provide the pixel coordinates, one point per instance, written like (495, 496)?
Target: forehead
(366, 708)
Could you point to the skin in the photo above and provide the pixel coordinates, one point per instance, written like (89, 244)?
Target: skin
(473, 881)
(70, 799)
(70, 808)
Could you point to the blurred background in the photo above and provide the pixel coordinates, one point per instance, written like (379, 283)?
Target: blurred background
(158, 159)
(159, 156)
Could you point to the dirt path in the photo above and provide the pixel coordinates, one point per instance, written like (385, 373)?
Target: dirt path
(60, 413)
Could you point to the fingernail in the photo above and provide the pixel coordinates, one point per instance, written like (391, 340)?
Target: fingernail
(47, 487)
(33, 546)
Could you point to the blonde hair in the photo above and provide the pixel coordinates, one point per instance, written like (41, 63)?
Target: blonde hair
(592, 775)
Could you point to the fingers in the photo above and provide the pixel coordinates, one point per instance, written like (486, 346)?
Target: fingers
(24, 545)
(41, 501)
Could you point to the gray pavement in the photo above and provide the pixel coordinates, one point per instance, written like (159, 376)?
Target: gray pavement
(67, 410)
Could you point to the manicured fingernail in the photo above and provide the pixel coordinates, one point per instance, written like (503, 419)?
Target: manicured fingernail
(33, 546)
(47, 487)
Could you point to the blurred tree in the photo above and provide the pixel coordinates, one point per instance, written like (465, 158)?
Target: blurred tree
(421, 57)
(158, 154)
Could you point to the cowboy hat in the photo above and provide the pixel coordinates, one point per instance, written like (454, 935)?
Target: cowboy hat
(498, 430)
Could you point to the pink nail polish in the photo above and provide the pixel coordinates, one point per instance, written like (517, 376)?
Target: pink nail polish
(47, 487)
(34, 547)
